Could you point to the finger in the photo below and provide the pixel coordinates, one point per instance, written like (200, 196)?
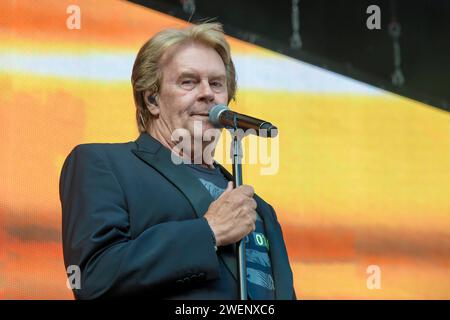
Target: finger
(229, 188)
(252, 227)
(247, 190)
(253, 204)
(250, 203)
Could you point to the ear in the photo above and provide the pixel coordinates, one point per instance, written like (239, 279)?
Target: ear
(150, 103)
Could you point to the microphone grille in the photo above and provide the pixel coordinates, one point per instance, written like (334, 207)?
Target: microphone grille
(215, 112)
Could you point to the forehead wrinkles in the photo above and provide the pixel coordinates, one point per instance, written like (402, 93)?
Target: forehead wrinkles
(168, 57)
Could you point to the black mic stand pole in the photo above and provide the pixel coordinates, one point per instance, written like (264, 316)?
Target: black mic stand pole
(237, 175)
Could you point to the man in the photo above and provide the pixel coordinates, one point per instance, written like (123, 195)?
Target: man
(137, 224)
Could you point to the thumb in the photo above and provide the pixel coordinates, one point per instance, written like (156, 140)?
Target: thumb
(229, 187)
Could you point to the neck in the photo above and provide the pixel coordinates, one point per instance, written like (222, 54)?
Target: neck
(184, 152)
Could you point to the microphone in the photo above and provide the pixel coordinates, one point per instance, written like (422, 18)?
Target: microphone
(220, 116)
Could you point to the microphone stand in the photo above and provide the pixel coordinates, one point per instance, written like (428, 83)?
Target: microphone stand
(237, 175)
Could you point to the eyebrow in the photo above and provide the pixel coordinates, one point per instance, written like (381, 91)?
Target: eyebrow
(189, 74)
(219, 77)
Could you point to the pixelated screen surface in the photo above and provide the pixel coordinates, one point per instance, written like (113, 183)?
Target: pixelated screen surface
(359, 178)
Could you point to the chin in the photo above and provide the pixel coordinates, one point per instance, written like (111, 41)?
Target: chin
(207, 130)
(201, 126)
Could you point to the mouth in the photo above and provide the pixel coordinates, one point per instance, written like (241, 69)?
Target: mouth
(200, 114)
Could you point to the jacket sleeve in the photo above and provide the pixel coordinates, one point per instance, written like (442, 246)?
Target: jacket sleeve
(96, 237)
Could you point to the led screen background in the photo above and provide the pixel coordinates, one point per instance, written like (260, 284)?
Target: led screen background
(363, 176)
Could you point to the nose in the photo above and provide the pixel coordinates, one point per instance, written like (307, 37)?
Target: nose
(205, 93)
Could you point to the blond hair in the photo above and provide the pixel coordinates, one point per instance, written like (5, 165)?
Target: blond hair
(147, 69)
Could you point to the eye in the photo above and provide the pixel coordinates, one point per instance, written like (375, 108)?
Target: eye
(216, 84)
(188, 83)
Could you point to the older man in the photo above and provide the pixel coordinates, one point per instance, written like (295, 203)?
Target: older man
(136, 223)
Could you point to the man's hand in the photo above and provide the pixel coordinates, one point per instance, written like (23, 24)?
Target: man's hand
(232, 216)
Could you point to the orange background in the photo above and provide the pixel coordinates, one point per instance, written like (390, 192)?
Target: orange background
(363, 179)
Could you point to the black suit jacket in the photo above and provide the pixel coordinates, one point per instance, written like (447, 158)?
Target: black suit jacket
(132, 221)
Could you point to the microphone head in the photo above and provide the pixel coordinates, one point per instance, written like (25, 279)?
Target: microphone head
(214, 114)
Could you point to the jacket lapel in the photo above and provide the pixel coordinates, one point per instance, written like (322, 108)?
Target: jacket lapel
(157, 156)
(282, 274)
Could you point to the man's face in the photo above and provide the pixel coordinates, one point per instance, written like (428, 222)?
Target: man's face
(194, 80)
